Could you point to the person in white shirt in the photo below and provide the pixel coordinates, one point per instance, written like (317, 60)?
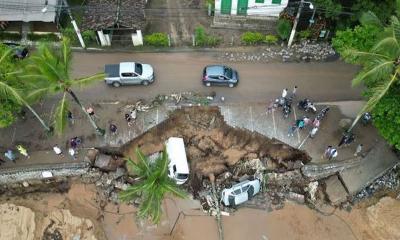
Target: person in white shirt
(57, 150)
(284, 92)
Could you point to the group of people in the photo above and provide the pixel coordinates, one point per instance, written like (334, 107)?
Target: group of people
(11, 156)
(303, 123)
(347, 138)
(74, 143)
(130, 118)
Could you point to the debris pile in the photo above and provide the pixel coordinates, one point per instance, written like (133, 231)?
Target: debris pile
(305, 51)
(389, 181)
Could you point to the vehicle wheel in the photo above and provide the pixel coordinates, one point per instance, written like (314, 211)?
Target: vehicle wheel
(116, 84)
(145, 83)
(208, 84)
(231, 85)
(250, 192)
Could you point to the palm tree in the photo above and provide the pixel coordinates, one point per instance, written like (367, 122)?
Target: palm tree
(154, 183)
(12, 93)
(381, 65)
(50, 69)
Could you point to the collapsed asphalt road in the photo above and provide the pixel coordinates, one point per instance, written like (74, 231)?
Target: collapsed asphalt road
(259, 82)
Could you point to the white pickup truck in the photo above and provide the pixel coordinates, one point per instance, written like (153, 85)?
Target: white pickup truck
(128, 73)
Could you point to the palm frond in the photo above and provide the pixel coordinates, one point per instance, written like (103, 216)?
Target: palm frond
(162, 162)
(10, 92)
(5, 55)
(361, 57)
(395, 25)
(174, 189)
(37, 93)
(369, 18)
(66, 54)
(380, 70)
(131, 192)
(60, 116)
(143, 161)
(82, 82)
(388, 46)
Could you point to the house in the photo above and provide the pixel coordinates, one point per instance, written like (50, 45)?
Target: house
(29, 16)
(117, 21)
(248, 14)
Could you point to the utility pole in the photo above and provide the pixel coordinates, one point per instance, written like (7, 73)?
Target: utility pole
(296, 20)
(78, 32)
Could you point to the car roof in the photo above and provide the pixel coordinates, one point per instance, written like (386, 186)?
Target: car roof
(127, 67)
(215, 70)
(175, 148)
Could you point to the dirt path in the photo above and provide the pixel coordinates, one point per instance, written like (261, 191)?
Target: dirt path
(177, 18)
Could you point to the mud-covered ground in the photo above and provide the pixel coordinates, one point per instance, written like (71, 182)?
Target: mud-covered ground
(77, 213)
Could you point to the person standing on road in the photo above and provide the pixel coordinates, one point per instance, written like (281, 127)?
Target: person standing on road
(316, 122)
(70, 117)
(358, 149)
(10, 155)
(284, 93)
(333, 153)
(72, 152)
(57, 150)
(128, 119)
(294, 91)
(313, 131)
(327, 152)
(270, 107)
(292, 129)
(113, 129)
(307, 121)
(23, 151)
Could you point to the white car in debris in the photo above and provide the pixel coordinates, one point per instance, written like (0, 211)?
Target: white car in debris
(240, 193)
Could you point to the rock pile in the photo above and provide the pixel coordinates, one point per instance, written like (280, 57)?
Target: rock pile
(389, 181)
(305, 51)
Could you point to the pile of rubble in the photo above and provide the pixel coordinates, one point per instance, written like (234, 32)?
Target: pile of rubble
(305, 51)
(389, 181)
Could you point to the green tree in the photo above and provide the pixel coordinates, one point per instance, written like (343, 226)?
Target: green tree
(283, 28)
(361, 38)
(50, 69)
(380, 65)
(332, 8)
(386, 116)
(12, 90)
(153, 185)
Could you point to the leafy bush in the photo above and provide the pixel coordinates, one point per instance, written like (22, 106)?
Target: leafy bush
(10, 36)
(271, 39)
(306, 34)
(204, 39)
(89, 36)
(251, 38)
(7, 113)
(361, 38)
(70, 33)
(49, 37)
(283, 28)
(156, 39)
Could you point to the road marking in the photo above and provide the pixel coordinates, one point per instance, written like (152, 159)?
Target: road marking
(298, 129)
(308, 135)
(157, 117)
(251, 119)
(13, 136)
(273, 120)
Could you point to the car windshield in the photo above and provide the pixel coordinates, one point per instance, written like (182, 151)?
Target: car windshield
(182, 176)
(228, 72)
(138, 68)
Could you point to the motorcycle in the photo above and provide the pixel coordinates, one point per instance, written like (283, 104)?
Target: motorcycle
(323, 112)
(286, 110)
(307, 105)
(366, 118)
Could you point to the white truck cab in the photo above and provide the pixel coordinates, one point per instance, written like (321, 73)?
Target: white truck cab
(178, 168)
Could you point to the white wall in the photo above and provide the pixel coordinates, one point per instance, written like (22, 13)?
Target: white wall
(259, 9)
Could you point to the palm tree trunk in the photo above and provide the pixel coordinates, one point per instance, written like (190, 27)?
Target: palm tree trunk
(48, 129)
(99, 130)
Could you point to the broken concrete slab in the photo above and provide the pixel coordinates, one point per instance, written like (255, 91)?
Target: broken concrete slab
(380, 159)
(335, 190)
(322, 170)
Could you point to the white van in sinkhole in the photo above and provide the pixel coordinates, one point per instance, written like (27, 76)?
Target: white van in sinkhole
(178, 168)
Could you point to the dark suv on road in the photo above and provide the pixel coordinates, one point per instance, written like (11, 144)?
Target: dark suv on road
(220, 75)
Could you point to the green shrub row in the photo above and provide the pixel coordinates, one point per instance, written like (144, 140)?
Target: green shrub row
(10, 36)
(49, 37)
(156, 39)
(204, 39)
(253, 38)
